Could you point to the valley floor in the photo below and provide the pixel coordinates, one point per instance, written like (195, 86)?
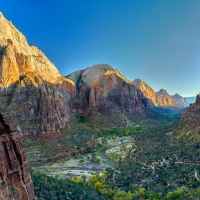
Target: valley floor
(90, 163)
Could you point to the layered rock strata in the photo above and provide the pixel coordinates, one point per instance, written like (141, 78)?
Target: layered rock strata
(15, 180)
(102, 87)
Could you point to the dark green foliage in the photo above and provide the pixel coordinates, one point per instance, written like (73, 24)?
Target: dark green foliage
(13, 189)
(50, 188)
(121, 131)
(174, 158)
(74, 138)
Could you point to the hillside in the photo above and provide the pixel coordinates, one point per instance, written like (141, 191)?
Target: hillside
(168, 158)
(190, 119)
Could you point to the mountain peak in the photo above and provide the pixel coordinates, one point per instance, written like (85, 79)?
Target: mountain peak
(162, 91)
(102, 67)
(177, 95)
(139, 83)
(94, 73)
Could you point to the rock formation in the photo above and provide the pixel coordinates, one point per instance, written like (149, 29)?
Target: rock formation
(102, 87)
(160, 98)
(181, 100)
(32, 91)
(15, 180)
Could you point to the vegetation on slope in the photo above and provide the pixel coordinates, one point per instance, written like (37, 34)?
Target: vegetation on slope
(50, 188)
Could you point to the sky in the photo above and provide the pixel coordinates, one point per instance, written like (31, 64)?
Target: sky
(157, 41)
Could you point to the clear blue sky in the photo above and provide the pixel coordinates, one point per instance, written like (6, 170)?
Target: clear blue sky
(157, 41)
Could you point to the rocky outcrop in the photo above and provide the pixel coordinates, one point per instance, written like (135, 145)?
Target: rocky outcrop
(103, 88)
(15, 180)
(32, 91)
(36, 109)
(181, 100)
(160, 98)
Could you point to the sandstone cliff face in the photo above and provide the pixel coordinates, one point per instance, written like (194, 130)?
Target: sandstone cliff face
(32, 91)
(102, 87)
(160, 99)
(19, 58)
(181, 100)
(15, 180)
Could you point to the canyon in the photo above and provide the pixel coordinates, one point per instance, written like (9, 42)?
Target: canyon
(54, 117)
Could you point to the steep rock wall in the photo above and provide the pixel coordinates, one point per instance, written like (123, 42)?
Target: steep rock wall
(15, 180)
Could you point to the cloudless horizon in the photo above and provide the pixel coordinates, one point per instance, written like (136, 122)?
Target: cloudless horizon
(157, 41)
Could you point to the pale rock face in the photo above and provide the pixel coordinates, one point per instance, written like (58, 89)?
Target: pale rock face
(96, 72)
(9, 31)
(75, 76)
(9, 72)
(20, 58)
(161, 98)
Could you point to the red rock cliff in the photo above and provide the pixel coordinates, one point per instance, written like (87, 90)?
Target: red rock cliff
(15, 180)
